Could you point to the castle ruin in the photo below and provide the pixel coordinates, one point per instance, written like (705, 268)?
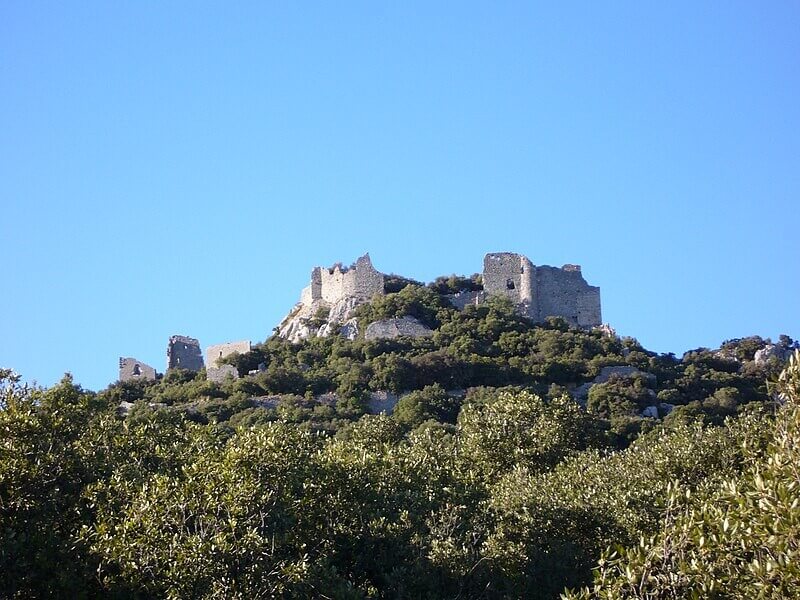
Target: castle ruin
(184, 353)
(326, 304)
(217, 372)
(544, 291)
(360, 281)
(131, 369)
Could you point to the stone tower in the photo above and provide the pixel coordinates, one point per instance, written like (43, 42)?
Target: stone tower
(544, 291)
(184, 353)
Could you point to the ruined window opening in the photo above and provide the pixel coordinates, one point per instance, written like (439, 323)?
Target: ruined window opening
(510, 284)
(137, 370)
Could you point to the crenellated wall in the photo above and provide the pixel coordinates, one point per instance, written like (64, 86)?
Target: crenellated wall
(360, 280)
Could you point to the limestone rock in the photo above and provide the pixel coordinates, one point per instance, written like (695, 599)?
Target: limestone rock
(349, 329)
(581, 392)
(769, 351)
(392, 328)
(651, 412)
(382, 402)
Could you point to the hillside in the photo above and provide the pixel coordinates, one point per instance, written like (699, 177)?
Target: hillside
(511, 452)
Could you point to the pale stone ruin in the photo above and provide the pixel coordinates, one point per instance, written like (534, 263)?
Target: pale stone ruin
(219, 372)
(326, 305)
(543, 291)
(131, 369)
(184, 353)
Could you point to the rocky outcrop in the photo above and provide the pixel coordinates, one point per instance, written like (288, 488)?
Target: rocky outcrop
(319, 319)
(392, 328)
(582, 391)
(382, 402)
(770, 351)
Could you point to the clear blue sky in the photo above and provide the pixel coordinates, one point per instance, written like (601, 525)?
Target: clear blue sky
(180, 167)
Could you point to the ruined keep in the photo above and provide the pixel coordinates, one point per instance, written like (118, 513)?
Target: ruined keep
(184, 353)
(132, 369)
(327, 302)
(543, 291)
(360, 281)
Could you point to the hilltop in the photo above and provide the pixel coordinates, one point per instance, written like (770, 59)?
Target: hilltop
(360, 341)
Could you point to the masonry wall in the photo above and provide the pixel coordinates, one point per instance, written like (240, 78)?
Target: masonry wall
(131, 368)
(215, 353)
(565, 293)
(361, 280)
(184, 353)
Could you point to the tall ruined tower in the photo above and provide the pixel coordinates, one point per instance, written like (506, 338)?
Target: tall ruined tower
(184, 353)
(511, 275)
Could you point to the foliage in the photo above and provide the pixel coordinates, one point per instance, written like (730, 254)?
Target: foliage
(488, 481)
(738, 539)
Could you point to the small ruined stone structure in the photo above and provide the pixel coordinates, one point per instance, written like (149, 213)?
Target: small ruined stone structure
(131, 369)
(219, 351)
(184, 353)
(220, 372)
(543, 291)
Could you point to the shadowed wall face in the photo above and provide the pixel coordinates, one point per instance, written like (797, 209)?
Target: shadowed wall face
(184, 353)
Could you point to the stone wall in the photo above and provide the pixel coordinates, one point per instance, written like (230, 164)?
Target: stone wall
(131, 368)
(215, 353)
(184, 353)
(464, 298)
(360, 280)
(221, 373)
(393, 328)
(510, 275)
(565, 293)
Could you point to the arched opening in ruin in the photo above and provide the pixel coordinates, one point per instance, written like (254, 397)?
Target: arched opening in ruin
(510, 284)
(137, 370)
